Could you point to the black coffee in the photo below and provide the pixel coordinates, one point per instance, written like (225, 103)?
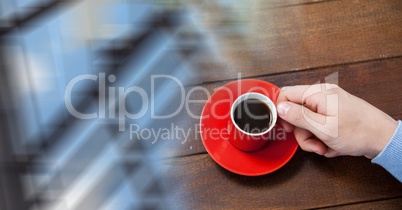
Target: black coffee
(252, 116)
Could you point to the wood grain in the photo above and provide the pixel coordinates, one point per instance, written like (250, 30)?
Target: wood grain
(291, 38)
(284, 3)
(377, 82)
(307, 181)
(357, 44)
(395, 203)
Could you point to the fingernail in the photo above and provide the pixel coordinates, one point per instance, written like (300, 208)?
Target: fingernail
(283, 108)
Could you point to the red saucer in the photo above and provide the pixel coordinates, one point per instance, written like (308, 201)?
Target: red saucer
(215, 118)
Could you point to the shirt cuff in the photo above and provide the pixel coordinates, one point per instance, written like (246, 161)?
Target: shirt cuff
(391, 157)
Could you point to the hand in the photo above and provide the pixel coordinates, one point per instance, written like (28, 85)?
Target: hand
(329, 121)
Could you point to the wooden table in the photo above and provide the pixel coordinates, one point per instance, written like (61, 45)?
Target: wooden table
(301, 42)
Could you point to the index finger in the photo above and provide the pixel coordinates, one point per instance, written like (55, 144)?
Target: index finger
(299, 94)
(292, 93)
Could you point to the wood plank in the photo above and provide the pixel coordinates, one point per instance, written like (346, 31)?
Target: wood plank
(382, 204)
(283, 3)
(378, 82)
(251, 3)
(307, 181)
(299, 37)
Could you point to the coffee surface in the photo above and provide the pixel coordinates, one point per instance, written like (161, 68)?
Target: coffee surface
(252, 116)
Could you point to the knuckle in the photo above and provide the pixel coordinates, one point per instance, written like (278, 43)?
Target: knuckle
(330, 86)
(313, 99)
(282, 95)
(298, 116)
(303, 146)
(333, 88)
(283, 89)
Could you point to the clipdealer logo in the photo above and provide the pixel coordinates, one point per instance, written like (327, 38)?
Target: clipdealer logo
(112, 105)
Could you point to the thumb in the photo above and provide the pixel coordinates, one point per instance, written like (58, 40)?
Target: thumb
(299, 116)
